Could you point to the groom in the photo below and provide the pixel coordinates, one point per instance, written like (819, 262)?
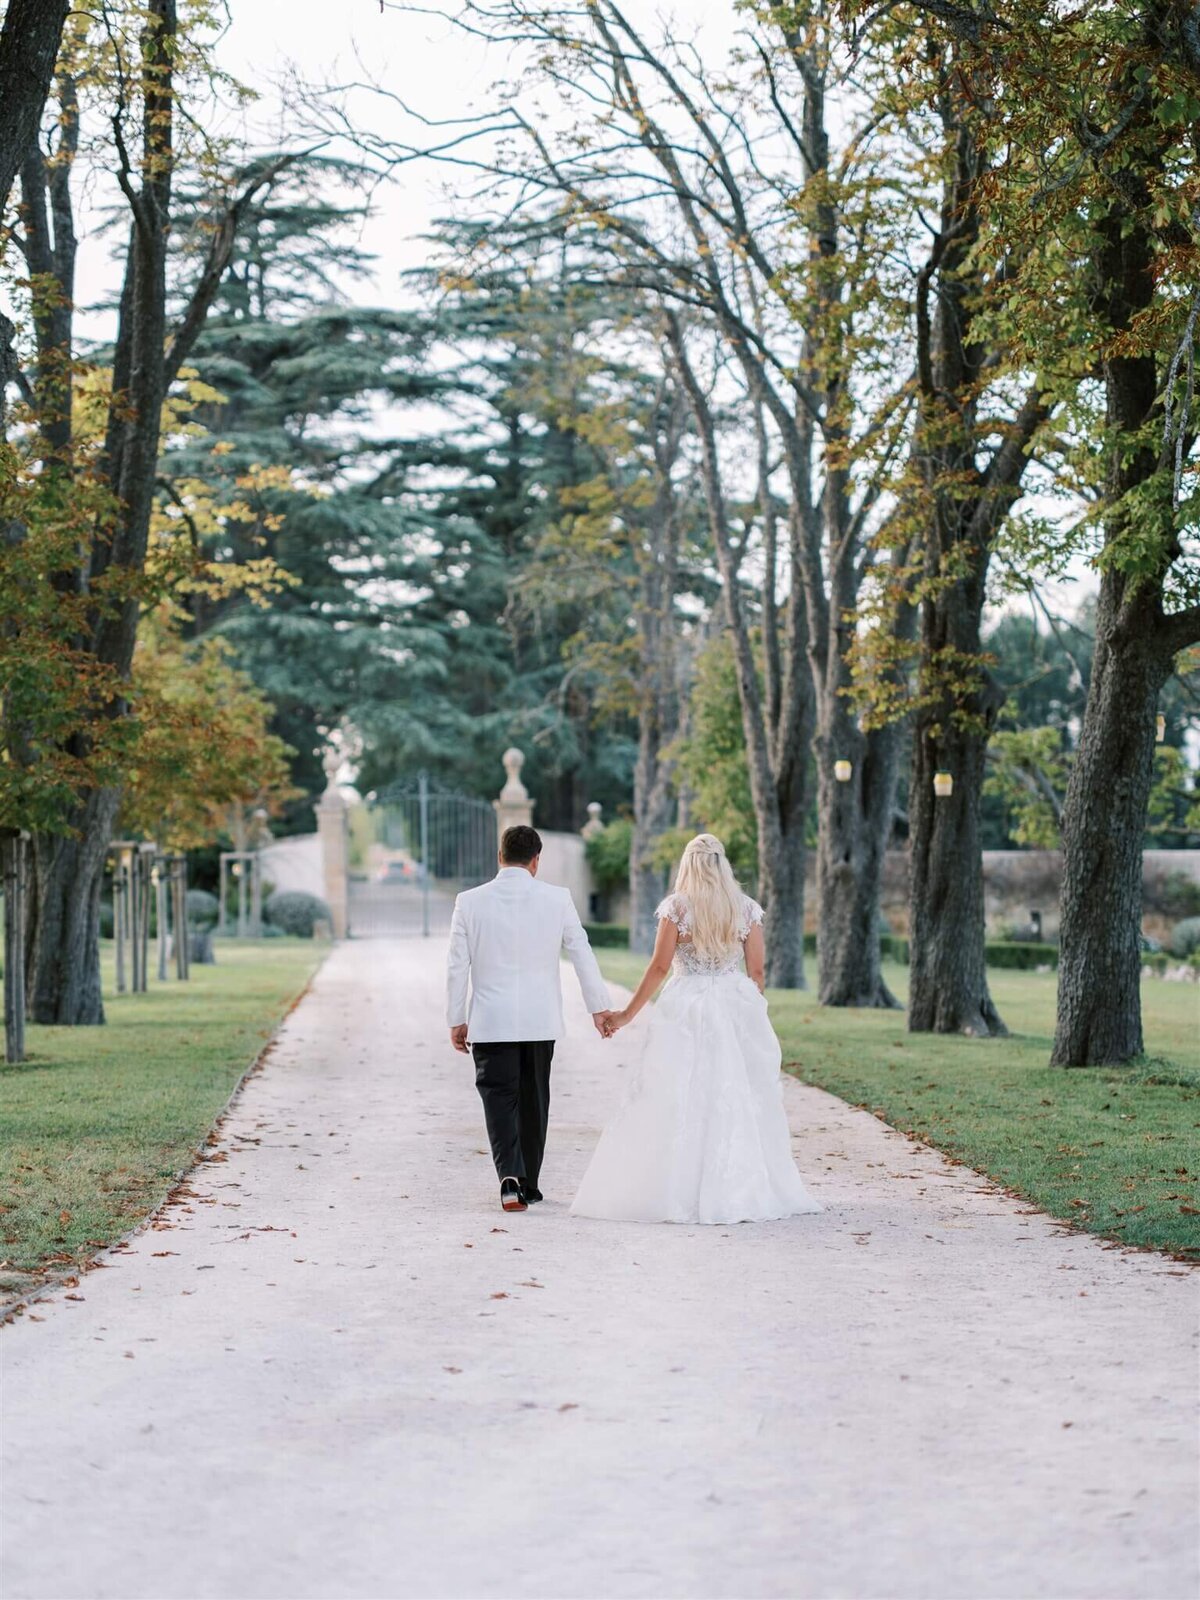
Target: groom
(506, 937)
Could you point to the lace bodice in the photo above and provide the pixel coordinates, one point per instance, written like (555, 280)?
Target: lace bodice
(687, 959)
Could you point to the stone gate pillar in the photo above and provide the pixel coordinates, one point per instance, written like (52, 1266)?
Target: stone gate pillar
(333, 827)
(514, 806)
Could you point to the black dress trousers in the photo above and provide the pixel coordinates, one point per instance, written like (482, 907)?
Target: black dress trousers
(514, 1084)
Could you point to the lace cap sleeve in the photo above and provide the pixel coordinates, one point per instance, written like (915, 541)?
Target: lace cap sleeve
(673, 910)
(752, 913)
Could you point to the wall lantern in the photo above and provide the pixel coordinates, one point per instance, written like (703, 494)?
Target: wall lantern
(943, 784)
(842, 771)
(1160, 728)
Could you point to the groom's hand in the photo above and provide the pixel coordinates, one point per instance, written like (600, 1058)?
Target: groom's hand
(458, 1038)
(600, 1018)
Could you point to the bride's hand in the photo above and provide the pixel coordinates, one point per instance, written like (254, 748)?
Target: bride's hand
(616, 1019)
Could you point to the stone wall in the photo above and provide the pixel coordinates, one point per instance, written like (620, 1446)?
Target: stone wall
(1016, 882)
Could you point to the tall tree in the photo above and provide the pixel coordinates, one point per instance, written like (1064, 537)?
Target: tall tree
(693, 216)
(629, 544)
(135, 62)
(1097, 179)
(969, 485)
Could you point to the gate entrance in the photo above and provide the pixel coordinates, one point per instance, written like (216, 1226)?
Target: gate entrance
(424, 845)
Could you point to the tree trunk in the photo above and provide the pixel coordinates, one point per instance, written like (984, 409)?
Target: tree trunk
(652, 808)
(1104, 820)
(62, 935)
(781, 814)
(781, 886)
(1104, 816)
(948, 989)
(13, 856)
(856, 822)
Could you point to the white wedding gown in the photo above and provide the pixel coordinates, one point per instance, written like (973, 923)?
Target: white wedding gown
(702, 1135)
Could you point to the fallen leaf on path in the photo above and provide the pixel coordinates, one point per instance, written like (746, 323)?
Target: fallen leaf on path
(570, 1406)
(164, 1252)
(451, 1369)
(532, 1284)
(76, 1297)
(501, 1296)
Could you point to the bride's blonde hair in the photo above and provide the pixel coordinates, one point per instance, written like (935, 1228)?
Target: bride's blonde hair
(714, 899)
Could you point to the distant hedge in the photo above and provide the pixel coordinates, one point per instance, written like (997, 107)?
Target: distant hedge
(1021, 955)
(1013, 953)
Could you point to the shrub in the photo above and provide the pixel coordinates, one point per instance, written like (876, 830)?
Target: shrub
(608, 855)
(294, 912)
(202, 908)
(1185, 937)
(608, 935)
(1178, 895)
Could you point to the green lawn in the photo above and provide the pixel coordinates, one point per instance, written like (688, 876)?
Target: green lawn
(1113, 1151)
(97, 1122)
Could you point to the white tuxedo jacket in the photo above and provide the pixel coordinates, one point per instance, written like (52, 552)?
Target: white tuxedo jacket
(506, 937)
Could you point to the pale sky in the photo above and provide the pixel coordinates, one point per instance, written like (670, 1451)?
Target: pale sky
(423, 61)
(420, 59)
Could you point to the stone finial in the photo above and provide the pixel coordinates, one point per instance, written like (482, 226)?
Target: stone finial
(593, 825)
(331, 762)
(514, 805)
(514, 790)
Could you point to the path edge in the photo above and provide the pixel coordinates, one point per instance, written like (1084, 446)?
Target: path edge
(48, 1283)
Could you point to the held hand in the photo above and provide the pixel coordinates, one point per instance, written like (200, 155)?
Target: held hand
(600, 1020)
(615, 1020)
(458, 1038)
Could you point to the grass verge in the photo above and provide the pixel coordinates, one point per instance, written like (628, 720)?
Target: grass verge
(1111, 1151)
(97, 1122)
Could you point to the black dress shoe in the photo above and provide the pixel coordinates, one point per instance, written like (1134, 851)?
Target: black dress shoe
(511, 1198)
(531, 1196)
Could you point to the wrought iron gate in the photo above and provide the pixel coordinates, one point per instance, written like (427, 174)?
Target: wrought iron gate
(421, 845)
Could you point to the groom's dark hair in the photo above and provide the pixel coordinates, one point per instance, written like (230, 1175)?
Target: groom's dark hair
(520, 845)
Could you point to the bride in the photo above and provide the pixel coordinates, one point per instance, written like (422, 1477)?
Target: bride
(702, 1135)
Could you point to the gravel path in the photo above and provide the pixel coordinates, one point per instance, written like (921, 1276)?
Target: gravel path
(326, 1373)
